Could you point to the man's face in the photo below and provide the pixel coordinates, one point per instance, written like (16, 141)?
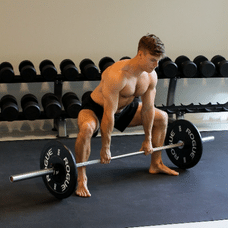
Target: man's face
(150, 62)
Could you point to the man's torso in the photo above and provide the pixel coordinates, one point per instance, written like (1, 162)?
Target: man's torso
(135, 86)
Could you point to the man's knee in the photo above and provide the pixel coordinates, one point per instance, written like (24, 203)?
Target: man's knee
(162, 120)
(86, 130)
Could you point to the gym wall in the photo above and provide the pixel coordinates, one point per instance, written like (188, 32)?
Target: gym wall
(55, 30)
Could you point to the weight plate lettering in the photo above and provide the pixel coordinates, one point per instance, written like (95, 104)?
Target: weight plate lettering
(189, 155)
(62, 182)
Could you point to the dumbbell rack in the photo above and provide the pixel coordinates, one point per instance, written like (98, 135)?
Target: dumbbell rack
(183, 67)
(174, 73)
(60, 122)
(183, 109)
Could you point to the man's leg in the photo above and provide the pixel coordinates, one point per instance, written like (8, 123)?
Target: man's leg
(158, 138)
(88, 124)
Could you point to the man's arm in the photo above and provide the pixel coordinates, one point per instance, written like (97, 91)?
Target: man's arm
(111, 88)
(148, 112)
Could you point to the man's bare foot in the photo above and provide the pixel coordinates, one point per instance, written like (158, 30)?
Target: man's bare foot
(82, 189)
(161, 168)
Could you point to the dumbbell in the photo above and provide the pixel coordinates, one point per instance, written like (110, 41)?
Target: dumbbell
(69, 70)
(51, 105)
(205, 67)
(88, 69)
(85, 95)
(30, 107)
(221, 65)
(71, 104)
(167, 67)
(6, 72)
(9, 108)
(105, 63)
(48, 70)
(186, 67)
(27, 71)
(125, 57)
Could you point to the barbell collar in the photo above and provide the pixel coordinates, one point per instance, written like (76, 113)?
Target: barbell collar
(29, 175)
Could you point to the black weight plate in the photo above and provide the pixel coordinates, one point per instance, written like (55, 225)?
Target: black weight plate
(189, 155)
(62, 182)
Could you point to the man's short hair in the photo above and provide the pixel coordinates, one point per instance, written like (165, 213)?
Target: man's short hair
(153, 44)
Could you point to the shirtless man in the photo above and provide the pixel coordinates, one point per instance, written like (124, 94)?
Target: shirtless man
(115, 103)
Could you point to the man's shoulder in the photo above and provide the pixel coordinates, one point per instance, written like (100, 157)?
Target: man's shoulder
(116, 71)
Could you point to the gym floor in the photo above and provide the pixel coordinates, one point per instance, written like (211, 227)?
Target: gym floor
(124, 194)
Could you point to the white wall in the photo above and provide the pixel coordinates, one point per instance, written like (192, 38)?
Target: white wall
(54, 29)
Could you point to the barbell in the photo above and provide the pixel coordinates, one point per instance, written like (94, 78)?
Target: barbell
(58, 166)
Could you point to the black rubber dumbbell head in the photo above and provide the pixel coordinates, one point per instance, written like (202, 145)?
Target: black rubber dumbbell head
(69, 70)
(51, 105)
(105, 62)
(205, 67)
(167, 67)
(6, 72)
(48, 70)
(88, 69)
(27, 71)
(71, 104)
(30, 107)
(9, 108)
(221, 65)
(125, 57)
(86, 95)
(186, 67)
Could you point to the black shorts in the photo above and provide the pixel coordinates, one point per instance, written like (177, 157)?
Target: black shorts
(122, 119)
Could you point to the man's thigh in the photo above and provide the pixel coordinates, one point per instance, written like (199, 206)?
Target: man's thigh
(160, 116)
(87, 117)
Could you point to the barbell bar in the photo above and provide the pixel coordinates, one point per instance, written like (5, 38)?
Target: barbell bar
(58, 166)
(43, 172)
